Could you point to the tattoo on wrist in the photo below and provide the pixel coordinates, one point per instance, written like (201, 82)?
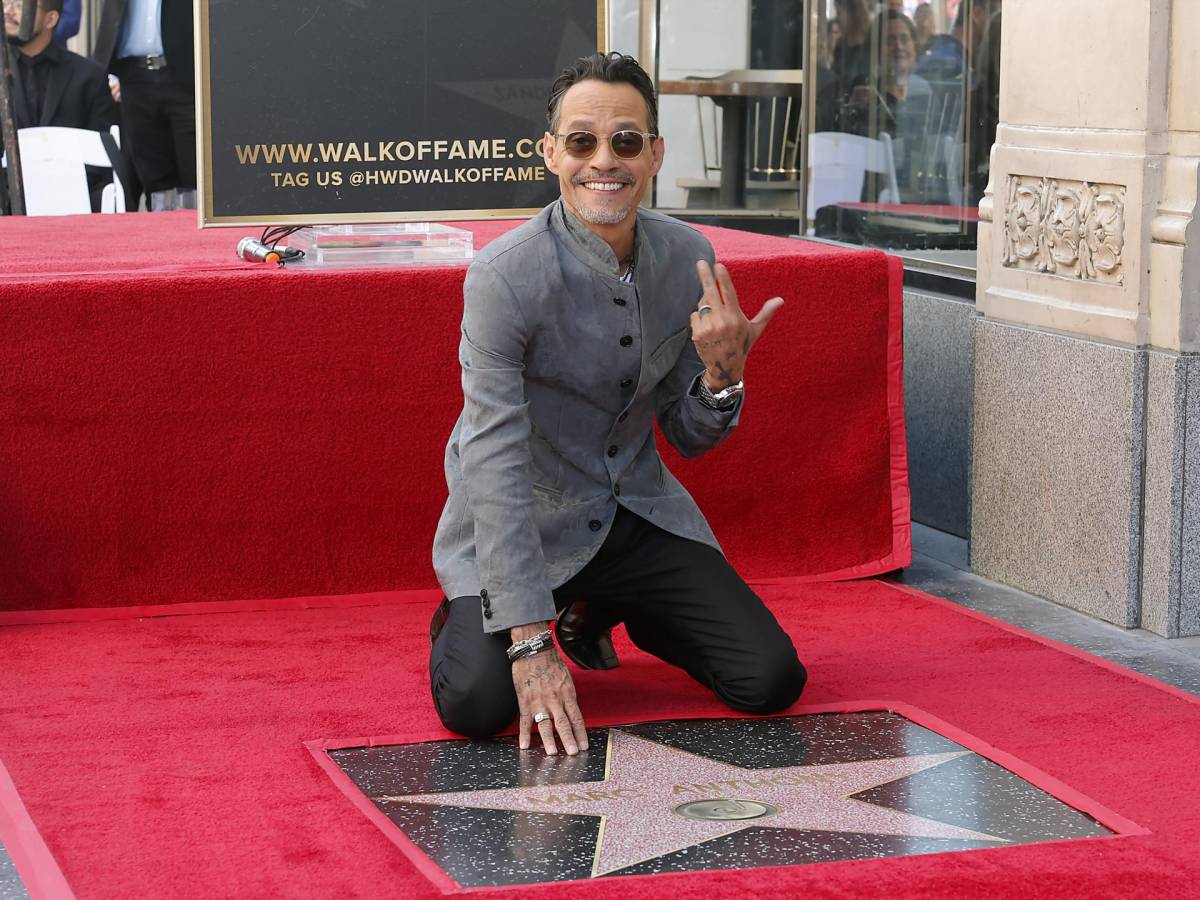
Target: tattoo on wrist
(721, 374)
(542, 668)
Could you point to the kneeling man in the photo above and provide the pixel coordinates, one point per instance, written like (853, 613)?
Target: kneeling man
(581, 328)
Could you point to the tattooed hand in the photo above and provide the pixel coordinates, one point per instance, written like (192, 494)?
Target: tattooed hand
(720, 330)
(544, 685)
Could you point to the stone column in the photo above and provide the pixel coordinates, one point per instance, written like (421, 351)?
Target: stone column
(1085, 482)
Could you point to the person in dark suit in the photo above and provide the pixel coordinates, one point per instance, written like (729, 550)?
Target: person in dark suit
(53, 86)
(147, 44)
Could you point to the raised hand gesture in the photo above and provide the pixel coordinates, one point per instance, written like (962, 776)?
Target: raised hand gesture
(720, 330)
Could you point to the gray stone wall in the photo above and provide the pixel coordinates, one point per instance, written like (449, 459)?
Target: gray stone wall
(1171, 527)
(1059, 443)
(1072, 465)
(938, 380)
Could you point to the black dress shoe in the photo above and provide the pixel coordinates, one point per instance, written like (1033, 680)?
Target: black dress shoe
(584, 639)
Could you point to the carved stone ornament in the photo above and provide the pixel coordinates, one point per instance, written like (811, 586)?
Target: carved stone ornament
(1070, 228)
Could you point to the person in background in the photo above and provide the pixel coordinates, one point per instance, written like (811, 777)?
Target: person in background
(68, 25)
(54, 87)
(906, 96)
(924, 22)
(985, 106)
(946, 57)
(905, 106)
(147, 44)
(829, 86)
(898, 98)
(852, 57)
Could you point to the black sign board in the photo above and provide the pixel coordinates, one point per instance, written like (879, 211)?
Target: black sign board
(330, 111)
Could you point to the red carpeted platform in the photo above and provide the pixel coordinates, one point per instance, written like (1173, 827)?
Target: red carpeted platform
(184, 433)
(178, 426)
(165, 757)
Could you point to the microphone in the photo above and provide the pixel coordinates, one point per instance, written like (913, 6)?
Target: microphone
(255, 250)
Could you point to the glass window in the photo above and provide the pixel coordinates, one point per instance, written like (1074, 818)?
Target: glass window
(860, 121)
(903, 121)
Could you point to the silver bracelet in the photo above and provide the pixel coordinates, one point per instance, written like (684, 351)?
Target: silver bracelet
(530, 646)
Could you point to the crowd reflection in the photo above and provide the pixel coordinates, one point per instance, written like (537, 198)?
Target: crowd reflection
(928, 97)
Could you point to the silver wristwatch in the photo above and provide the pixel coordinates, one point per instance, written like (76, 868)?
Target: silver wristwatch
(722, 400)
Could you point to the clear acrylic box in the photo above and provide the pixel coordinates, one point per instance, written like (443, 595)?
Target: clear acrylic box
(395, 244)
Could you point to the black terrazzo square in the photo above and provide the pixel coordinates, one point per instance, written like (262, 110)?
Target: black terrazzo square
(11, 885)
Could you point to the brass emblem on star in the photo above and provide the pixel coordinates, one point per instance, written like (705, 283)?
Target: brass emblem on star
(725, 810)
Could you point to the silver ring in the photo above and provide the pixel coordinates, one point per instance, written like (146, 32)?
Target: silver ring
(539, 718)
(704, 309)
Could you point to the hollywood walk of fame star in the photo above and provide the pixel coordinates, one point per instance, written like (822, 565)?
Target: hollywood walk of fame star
(647, 784)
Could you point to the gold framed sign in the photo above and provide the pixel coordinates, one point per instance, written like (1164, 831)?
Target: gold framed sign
(318, 112)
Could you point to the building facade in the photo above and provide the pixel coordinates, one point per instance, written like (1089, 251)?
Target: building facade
(1044, 198)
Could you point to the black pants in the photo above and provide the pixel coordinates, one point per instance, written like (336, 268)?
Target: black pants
(680, 601)
(158, 127)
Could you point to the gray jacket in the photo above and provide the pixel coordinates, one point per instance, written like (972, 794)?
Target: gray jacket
(564, 370)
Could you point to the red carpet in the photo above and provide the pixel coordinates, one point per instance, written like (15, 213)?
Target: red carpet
(178, 426)
(165, 757)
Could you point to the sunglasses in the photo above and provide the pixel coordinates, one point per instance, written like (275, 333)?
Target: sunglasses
(624, 144)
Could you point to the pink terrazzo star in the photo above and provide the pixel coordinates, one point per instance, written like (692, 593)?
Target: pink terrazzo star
(647, 782)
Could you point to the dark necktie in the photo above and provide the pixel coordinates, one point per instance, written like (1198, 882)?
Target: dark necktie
(32, 81)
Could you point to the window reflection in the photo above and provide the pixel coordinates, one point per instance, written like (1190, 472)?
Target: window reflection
(888, 139)
(917, 85)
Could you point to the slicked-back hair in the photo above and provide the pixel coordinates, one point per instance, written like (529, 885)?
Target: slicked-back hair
(52, 6)
(611, 68)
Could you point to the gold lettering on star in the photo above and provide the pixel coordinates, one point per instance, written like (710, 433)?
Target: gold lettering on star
(714, 787)
(583, 797)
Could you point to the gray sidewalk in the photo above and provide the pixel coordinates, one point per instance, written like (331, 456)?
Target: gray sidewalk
(940, 567)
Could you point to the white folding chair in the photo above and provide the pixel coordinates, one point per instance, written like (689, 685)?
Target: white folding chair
(837, 163)
(52, 163)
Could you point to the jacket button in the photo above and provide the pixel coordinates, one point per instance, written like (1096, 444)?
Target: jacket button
(626, 341)
(613, 450)
(626, 382)
(622, 417)
(620, 301)
(483, 593)
(595, 524)
(487, 613)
